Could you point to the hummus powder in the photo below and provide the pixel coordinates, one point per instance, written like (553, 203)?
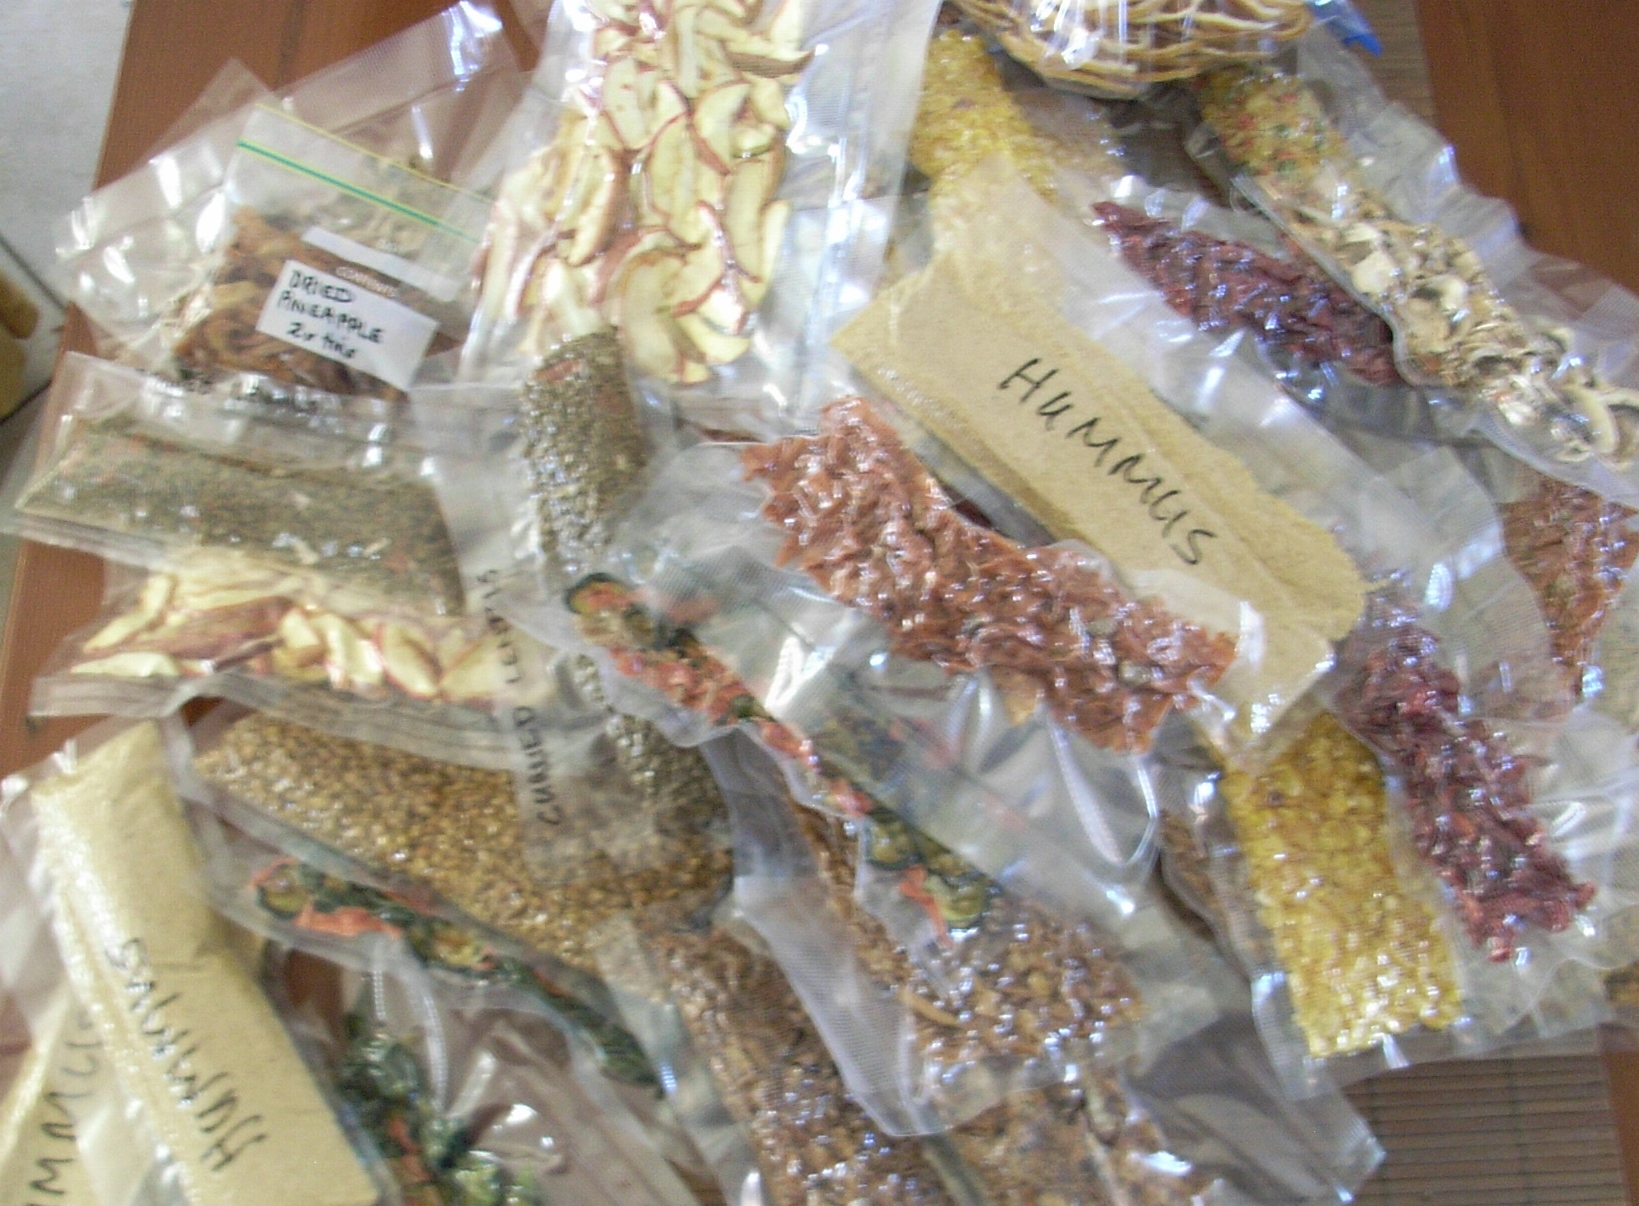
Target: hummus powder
(976, 351)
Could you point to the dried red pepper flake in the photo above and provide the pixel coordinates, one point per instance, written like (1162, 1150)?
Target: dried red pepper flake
(1218, 284)
(870, 525)
(1466, 790)
(1575, 548)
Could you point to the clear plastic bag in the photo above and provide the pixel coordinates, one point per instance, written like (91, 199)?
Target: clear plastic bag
(433, 97)
(236, 1108)
(709, 180)
(1119, 49)
(214, 624)
(1373, 194)
(141, 468)
(453, 829)
(474, 1103)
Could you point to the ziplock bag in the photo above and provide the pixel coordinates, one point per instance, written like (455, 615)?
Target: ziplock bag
(1055, 398)
(410, 820)
(335, 269)
(709, 180)
(189, 1034)
(1119, 49)
(939, 990)
(66, 1130)
(476, 1104)
(1546, 378)
(141, 468)
(215, 624)
(433, 97)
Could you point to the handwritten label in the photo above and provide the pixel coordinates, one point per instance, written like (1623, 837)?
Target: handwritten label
(1155, 495)
(226, 1126)
(337, 319)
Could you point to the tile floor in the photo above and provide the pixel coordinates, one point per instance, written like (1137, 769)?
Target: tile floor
(58, 59)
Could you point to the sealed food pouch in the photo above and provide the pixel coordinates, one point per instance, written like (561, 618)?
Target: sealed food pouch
(337, 269)
(713, 182)
(1544, 374)
(404, 820)
(213, 623)
(190, 1035)
(433, 98)
(1119, 50)
(299, 894)
(67, 1130)
(1046, 405)
(940, 990)
(473, 1103)
(957, 715)
(141, 468)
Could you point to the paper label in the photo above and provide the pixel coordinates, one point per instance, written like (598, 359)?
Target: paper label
(347, 323)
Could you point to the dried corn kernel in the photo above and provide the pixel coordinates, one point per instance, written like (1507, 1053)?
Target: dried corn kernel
(967, 115)
(1363, 959)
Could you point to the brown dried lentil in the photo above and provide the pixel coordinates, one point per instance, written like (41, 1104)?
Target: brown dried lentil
(1363, 958)
(454, 828)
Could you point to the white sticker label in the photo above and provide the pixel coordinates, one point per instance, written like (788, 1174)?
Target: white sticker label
(347, 323)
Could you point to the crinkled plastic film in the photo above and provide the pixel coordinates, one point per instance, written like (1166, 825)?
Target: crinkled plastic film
(310, 898)
(1535, 353)
(943, 750)
(935, 953)
(463, 1098)
(134, 934)
(435, 95)
(212, 624)
(453, 828)
(1118, 50)
(335, 269)
(652, 798)
(716, 182)
(65, 1125)
(141, 468)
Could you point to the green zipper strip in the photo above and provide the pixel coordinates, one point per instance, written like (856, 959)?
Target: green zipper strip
(346, 187)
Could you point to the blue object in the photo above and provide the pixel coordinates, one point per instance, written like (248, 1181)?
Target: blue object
(1346, 24)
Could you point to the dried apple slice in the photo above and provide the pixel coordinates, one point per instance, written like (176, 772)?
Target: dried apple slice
(702, 267)
(288, 665)
(761, 55)
(623, 104)
(407, 659)
(668, 167)
(628, 247)
(597, 218)
(131, 665)
(715, 116)
(645, 313)
(150, 605)
(747, 196)
(787, 28)
(353, 662)
(299, 641)
(714, 346)
(726, 306)
(767, 100)
(475, 678)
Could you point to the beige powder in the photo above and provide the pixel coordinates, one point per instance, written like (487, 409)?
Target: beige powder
(978, 354)
(39, 1149)
(189, 1033)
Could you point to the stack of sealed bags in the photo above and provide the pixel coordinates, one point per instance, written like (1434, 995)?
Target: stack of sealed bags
(769, 651)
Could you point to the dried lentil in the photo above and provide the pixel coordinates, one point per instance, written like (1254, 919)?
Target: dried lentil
(815, 1146)
(1466, 789)
(1575, 549)
(1291, 308)
(866, 521)
(1363, 958)
(454, 828)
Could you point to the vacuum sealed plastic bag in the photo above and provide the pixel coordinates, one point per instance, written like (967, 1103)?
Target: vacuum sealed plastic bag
(680, 171)
(453, 829)
(141, 468)
(1555, 394)
(67, 1131)
(432, 98)
(1119, 49)
(215, 624)
(473, 1104)
(235, 1107)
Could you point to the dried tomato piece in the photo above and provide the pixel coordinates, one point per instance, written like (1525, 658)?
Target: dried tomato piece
(866, 521)
(1294, 309)
(1466, 789)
